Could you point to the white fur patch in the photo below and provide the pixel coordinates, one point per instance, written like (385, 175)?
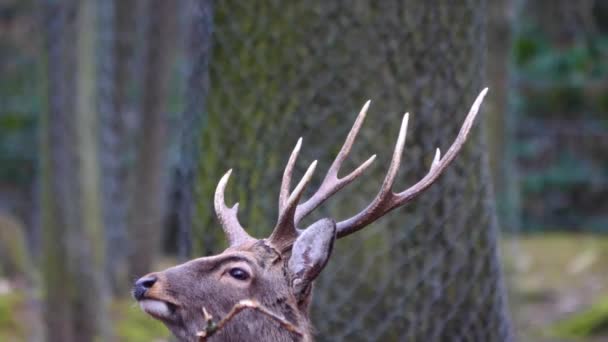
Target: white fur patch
(155, 307)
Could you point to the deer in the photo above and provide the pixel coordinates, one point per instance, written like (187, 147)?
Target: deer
(263, 287)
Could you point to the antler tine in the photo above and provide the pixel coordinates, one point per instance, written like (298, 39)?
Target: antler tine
(385, 195)
(285, 183)
(440, 165)
(436, 159)
(387, 200)
(235, 233)
(331, 183)
(385, 192)
(285, 232)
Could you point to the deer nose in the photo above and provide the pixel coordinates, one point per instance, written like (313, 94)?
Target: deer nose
(142, 285)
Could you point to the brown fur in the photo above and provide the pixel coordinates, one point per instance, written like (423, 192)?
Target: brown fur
(204, 283)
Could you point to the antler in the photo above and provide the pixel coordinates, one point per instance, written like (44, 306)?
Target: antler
(331, 183)
(285, 232)
(235, 233)
(290, 213)
(387, 200)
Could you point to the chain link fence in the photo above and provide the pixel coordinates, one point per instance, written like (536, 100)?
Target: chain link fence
(426, 272)
(248, 79)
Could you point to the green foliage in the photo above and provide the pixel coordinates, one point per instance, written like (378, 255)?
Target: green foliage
(10, 327)
(17, 135)
(538, 59)
(561, 82)
(591, 322)
(130, 323)
(545, 269)
(14, 257)
(527, 47)
(558, 80)
(568, 171)
(19, 103)
(133, 325)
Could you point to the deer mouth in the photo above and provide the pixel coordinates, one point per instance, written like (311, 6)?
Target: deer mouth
(158, 309)
(158, 305)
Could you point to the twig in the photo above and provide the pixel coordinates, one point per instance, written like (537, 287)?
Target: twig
(211, 327)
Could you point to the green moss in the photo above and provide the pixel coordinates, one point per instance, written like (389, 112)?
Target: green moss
(10, 329)
(133, 325)
(14, 258)
(129, 322)
(591, 322)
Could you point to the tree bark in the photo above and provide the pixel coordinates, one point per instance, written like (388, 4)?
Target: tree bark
(90, 320)
(150, 169)
(198, 32)
(428, 272)
(116, 106)
(58, 311)
(500, 120)
(75, 307)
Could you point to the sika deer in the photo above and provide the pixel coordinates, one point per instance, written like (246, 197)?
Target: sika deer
(277, 272)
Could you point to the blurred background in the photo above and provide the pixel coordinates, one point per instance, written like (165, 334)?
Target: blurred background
(118, 117)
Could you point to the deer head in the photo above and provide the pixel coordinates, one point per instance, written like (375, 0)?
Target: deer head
(277, 272)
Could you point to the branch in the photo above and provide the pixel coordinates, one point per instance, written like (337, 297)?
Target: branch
(211, 327)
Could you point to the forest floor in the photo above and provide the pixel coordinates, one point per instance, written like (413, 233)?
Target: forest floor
(558, 292)
(559, 286)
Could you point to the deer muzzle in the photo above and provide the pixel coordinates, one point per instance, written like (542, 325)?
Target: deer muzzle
(150, 293)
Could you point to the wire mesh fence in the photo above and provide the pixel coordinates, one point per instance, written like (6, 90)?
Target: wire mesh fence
(246, 79)
(427, 272)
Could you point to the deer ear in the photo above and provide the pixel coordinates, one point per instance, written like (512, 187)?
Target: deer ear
(310, 254)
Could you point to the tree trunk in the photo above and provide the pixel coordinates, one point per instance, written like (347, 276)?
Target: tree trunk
(438, 275)
(74, 270)
(114, 102)
(90, 319)
(57, 311)
(254, 81)
(499, 119)
(150, 169)
(197, 15)
(429, 272)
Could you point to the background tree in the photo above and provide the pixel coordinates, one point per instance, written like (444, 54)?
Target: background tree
(116, 82)
(74, 241)
(500, 122)
(563, 21)
(278, 71)
(427, 272)
(197, 18)
(150, 173)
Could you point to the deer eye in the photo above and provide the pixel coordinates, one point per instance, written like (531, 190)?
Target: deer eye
(238, 273)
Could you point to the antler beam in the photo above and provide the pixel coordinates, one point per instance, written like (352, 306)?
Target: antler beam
(290, 213)
(387, 200)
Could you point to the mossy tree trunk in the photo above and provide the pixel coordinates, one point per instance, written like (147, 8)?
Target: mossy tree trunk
(249, 111)
(197, 30)
(428, 272)
(58, 311)
(431, 269)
